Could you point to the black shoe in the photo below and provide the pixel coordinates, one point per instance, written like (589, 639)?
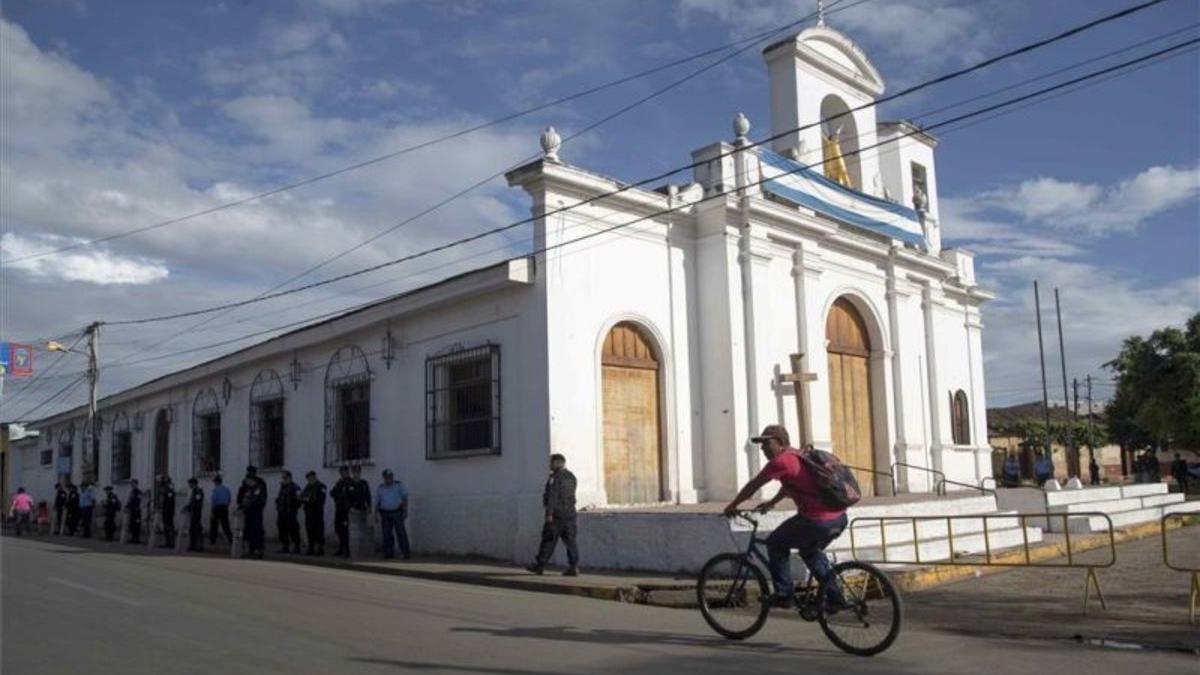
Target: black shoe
(536, 569)
(571, 571)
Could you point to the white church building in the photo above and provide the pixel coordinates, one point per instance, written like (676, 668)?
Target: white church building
(650, 334)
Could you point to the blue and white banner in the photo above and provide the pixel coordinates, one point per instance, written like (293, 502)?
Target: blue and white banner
(807, 187)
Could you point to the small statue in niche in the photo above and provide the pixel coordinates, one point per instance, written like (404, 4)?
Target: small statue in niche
(835, 162)
(920, 200)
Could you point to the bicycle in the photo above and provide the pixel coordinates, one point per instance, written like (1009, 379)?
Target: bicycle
(735, 599)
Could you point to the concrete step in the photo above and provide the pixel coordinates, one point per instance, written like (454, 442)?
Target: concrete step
(1144, 489)
(1120, 505)
(1124, 518)
(933, 550)
(1065, 497)
(900, 531)
(941, 507)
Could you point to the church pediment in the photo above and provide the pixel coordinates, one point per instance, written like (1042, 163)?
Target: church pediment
(832, 52)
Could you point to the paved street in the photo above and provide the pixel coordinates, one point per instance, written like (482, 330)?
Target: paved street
(91, 610)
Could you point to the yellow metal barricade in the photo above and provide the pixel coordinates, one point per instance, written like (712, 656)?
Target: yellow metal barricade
(1021, 556)
(1193, 570)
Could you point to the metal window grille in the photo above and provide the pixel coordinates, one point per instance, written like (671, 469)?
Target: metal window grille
(266, 419)
(960, 419)
(162, 441)
(122, 448)
(206, 434)
(347, 407)
(47, 457)
(462, 396)
(66, 451)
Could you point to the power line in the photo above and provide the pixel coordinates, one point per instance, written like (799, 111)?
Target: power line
(405, 150)
(64, 392)
(807, 152)
(613, 228)
(457, 195)
(29, 386)
(510, 226)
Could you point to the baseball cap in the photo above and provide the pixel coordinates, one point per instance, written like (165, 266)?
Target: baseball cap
(776, 431)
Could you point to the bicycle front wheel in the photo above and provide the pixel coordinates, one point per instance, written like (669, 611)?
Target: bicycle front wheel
(866, 619)
(733, 595)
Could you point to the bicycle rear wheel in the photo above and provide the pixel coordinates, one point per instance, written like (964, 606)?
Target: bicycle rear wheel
(869, 619)
(733, 595)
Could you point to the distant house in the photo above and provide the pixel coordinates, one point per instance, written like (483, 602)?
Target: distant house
(1001, 423)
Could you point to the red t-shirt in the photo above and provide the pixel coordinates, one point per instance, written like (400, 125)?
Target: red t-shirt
(792, 473)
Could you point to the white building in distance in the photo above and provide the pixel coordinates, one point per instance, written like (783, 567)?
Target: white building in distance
(649, 335)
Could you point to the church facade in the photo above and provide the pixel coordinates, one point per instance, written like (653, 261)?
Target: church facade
(651, 333)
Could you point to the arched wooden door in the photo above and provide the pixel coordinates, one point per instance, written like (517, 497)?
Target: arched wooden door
(630, 374)
(849, 350)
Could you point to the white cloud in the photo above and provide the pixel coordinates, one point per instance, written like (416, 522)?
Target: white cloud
(89, 265)
(1094, 209)
(904, 39)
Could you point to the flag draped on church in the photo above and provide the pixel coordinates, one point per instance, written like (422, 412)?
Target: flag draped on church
(805, 186)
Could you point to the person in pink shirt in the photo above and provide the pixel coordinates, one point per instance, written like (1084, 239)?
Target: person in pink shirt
(21, 509)
(810, 531)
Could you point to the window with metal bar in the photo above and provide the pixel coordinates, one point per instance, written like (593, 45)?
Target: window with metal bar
(354, 421)
(463, 403)
(206, 434)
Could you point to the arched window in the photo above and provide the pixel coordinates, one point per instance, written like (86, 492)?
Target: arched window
(347, 407)
(122, 448)
(66, 451)
(960, 418)
(162, 441)
(206, 433)
(266, 419)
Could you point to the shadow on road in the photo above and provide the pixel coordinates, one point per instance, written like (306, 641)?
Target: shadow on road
(626, 637)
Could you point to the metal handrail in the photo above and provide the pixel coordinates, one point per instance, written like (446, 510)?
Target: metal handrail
(891, 477)
(1025, 560)
(1194, 592)
(940, 488)
(920, 468)
(985, 479)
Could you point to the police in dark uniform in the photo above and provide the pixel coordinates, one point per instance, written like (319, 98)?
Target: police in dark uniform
(558, 500)
(360, 493)
(341, 494)
(60, 507)
(111, 507)
(72, 508)
(133, 510)
(195, 511)
(166, 510)
(287, 506)
(313, 499)
(252, 501)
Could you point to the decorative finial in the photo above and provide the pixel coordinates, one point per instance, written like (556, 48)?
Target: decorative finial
(551, 142)
(821, 13)
(741, 126)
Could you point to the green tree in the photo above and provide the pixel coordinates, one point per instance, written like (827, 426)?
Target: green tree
(1158, 389)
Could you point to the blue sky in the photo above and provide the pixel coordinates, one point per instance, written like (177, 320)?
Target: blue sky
(117, 115)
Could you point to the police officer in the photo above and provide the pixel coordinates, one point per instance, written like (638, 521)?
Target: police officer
(360, 495)
(72, 508)
(195, 510)
(341, 494)
(558, 500)
(133, 509)
(166, 510)
(287, 505)
(252, 501)
(111, 506)
(60, 507)
(219, 518)
(313, 499)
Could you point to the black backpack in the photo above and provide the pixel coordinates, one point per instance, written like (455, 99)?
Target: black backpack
(836, 484)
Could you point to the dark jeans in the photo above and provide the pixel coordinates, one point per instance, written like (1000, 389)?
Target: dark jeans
(72, 521)
(22, 518)
(558, 528)
(314, 527)
(135, 526)
(341, 527)
(110, 525)
(393, 522)
(219, 519)
(289, 530)
(809, 538)
(59, 514)
(254, 531)
(195, 532)
(168, 527)
(85, 520)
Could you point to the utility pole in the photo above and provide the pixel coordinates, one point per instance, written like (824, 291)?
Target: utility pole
(93, 332)
(1072, 451)
(1091, 436)
(1037, 306)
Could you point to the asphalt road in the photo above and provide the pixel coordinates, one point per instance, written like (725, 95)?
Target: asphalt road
(79, 610)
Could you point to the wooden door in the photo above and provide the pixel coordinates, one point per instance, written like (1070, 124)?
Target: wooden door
(849, 351)
(632, 436)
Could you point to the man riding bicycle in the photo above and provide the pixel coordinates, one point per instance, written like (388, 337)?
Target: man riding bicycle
(814, 526)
